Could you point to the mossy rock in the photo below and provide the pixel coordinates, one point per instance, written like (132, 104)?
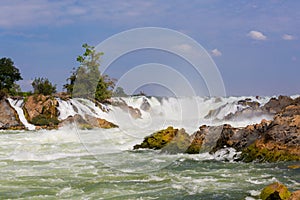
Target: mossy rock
(159, 139)
(44, 120)
(179, 144)
(275, 191)
(253, 153)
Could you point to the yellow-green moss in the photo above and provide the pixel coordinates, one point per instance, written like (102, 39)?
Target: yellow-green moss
(159, 139)
(253, 153)
(275, 191)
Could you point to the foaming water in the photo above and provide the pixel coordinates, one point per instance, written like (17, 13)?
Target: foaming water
(55, 164)
(70, 163)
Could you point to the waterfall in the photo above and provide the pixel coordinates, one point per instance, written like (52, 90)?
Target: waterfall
(17, 105)
(156, 112)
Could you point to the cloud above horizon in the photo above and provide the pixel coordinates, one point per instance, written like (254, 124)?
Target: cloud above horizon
(288, 37)
(14, 13)
(216, 52)
(256, 35)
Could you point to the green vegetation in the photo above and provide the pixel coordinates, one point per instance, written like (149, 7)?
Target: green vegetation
(9, 74)
(253, 153)
(44, 120)
(119, 92)
(43, 86)
(90, 83)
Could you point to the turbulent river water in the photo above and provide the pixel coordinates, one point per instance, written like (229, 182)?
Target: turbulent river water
(69, 163)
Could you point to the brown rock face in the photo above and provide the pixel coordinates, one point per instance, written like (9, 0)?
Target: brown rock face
(8, 117)
(134, 112)
(41, 110)
(88, 122)
(280, 140)
(295, 195)
(276, 105)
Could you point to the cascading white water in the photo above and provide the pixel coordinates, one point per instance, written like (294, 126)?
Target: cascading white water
(187, 112)
(17, 105)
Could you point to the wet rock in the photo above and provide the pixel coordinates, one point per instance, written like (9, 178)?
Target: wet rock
(41, 110)
(280, 140)
(145, 105)
(275, 191)
(63, 96)
(197, 140)
(99, 123)
(275, 105)
(134, 112)
(89, 122)
(250, 103)
(295, 195)
(9, 118)
(179, 143)
(159, 139)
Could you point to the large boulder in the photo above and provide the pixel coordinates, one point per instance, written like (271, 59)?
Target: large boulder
(171, 140)
(280, 141)
(41, 110)
(9, 118)
(277, 104)
(158, 140)
(275, 191)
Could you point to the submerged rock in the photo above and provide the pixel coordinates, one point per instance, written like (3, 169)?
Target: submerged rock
(275, 191)
(9, 118)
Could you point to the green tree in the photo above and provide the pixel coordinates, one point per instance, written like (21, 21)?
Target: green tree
(86, 81)
(9, 74)
(43, 86)
(119, 92)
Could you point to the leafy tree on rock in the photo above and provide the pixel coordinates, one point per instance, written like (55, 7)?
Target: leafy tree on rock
(43, 86)
(9, 74)
(89, 81)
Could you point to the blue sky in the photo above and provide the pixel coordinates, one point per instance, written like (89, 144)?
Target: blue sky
(255, 44)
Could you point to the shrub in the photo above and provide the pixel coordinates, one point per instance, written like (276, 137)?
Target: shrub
(43, 86)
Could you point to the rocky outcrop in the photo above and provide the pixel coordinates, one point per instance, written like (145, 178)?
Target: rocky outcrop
(89, 122)
(277, 104)
(280, 140)
(170, 140)
(9, 118)
(63, 96)
(271, 141)
(134, 112)
(276, 191)
(41, 110)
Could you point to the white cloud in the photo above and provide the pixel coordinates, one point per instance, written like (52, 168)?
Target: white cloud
(288, 37)
(184, 47)
(256, 35)
(216, 52)
(46, 12)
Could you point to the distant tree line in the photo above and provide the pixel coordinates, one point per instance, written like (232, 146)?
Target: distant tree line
(85, 81)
